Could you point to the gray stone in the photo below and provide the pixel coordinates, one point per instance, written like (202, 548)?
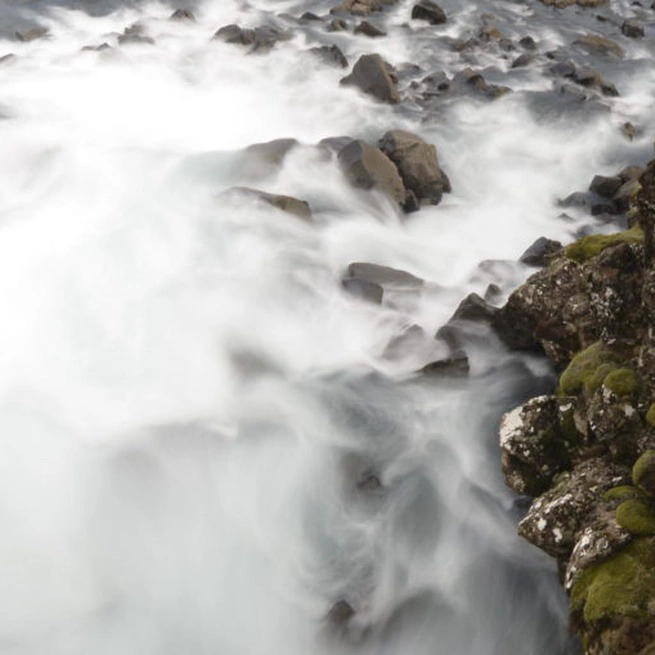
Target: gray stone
(429, 11)
(372, 75)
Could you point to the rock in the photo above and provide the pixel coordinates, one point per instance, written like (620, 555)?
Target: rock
(455, 365)
(337, 25)
(262, 159)
(287, 204)
(536, 442)
(474, 308)
(96, 48)
(6, 58)
(561, 4)
(310, 16)
(539, 253)
(632, 29)
(33, 34)
(429, 11)
(183, 14)
(260, 38)
(363, 289)
(367, 167)
(643, 472)
(361, 7)
(436, 82)
(528, 43)
(340, 614)
(372, 75)
(135, 39)
(417, 164)
(558, 518)
(563, 69)
(607, 187)
(331, 55)
(599, 45)
(384, 275)
(522, 60)
(369, 29)
(335, 143)
(471, 78)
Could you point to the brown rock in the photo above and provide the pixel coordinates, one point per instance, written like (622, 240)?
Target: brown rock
(372, 75)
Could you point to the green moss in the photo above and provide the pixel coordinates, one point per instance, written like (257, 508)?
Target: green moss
(622, 382)
(636, 516)
(650, 415)
(624, 492)
(643, 472)
(588, 369)
(623, 585)
(593, 244)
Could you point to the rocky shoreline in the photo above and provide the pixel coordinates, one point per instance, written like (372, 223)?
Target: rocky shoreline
(586, 453)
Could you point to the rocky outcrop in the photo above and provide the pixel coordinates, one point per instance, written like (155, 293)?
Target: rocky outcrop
(587, 452)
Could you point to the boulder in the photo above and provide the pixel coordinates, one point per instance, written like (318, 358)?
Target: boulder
(373, 75)
(417, 163)
(540, 252)
(607, 187)
(369, 29)
(331, 55)
(363, 289)
(474, 308)
(385, 276)
(260, 38)
(367, 167)
(429, 11)
(599, 45)
(632, 29)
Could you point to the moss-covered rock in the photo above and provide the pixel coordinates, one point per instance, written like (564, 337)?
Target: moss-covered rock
(624, 492)
(621, 382)
(650, 415)
(593, 244)
(623, 585)
(636, 516)
(643, 472)
(588, 369)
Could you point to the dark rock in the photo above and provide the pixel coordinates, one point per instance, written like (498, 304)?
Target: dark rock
(494, 91)
(471, 78)
(540, 252)
(455, 365)
(599, 45)
(528, 43)
(6, 58)
(310, 17)
(261, 38)
(331, 55)
(562, 69)
(474, 308)
(33, 34)
(367, 167)
(606, 187)
(369, 29)
(235, 34)
(492, 293)
(523, 60)
(384, 275)
(337, 25)
(340, 614)
(96, 48)
(287, 204)
(632, 29)
(630, 173)
(436, 82)
(429, 11)
(417, 164)
(363, 289)
(361, 7)
(183, 14)
(135, 39)
(629, 131)
(373, 75)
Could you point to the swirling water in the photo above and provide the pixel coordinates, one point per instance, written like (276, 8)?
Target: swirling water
(206, 443)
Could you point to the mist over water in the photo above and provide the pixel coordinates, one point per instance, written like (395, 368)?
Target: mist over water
(191, 408)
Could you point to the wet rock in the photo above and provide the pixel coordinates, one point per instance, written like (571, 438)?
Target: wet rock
(632, 29)
(363, 289)
(369, 29)
(33, 34)
(643, 473)
(340, 614)
(310, 16)
(562, 69)
(560, 4)
(373, 75)
(540, 252)
(523, 60)
(361, 7)
(607, 187)
(537, 440)
(418, 165)
(558, 518)
(261, 159)
(528, 43)
(471, 78)
(260, 38)
(183, 15)
(135, 39)
(436, 83)
(96, 48)
(599, 45)
(455, 365)
(367, 167)
(337, 25)
(384, 275)
(7, 58)
(287, 204)
(429, 11)
(474, 308)
(331, 55)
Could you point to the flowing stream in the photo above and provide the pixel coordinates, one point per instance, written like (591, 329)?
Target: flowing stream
(205, 442)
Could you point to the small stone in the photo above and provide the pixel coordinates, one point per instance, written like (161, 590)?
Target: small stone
(632, 29)
(369, 29)
(528, 43)
(523, 60)
(331, 55)
(33, 34)
(429, 11)
(539, 253)
(183, 14)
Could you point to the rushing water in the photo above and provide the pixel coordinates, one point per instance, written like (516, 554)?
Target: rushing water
(193, 414)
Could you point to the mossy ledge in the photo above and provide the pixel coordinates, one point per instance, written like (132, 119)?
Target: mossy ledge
(593, 244)
(589, 369)
(636, 516)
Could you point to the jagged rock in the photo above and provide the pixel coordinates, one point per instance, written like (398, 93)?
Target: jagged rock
(560, 4)
(607, 187)
(558, 518)
(369, 29)
(372, 75)
(417, 164)
(310, 16)
(537, 441)
(330, 54)
(384, 275)
(367, 167)
(287, 204)
(183, 14)
(474, 308)
(429, 11)
(540, 252)
(455, 365)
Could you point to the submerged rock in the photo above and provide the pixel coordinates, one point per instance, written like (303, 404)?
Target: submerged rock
(287, 204)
